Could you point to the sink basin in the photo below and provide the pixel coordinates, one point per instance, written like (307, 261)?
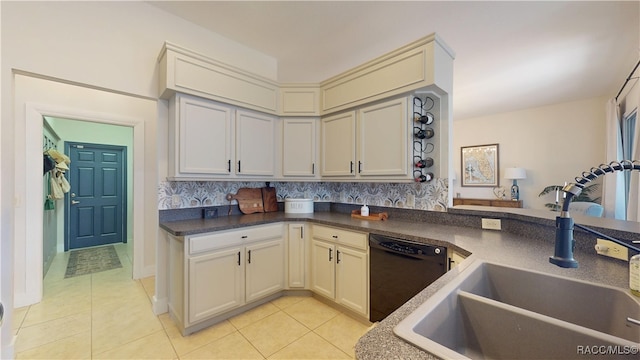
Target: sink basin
(499, 312)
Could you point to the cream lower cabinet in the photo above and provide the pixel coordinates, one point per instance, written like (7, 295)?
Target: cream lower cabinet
(323, 268)
(216, 283)
(214, 273)
(340, 267)
(264, 269)
(455, 258)
(297, 256)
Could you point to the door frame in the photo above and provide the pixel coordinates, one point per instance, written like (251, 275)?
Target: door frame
(67, 199)
(30, 151)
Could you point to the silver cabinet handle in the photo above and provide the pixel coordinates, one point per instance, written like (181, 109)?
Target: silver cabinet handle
(1, 313)
(74, 202)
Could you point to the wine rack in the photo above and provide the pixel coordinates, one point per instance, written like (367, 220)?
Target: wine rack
(423, 138)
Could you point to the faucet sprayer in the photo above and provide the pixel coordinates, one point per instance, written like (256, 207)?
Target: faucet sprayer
(565, 243)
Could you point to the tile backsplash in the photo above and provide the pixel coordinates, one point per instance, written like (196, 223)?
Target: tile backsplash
(421, 196)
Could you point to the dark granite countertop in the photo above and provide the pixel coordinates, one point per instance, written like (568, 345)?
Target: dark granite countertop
(529, 252)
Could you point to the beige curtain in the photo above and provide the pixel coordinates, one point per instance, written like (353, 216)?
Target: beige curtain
(613, 197)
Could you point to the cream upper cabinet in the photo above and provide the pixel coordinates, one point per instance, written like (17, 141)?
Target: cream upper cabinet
(375, 147)
(383, 138)
(299, 148)
(338, 145)
(255, 144)
(200, 140)
(212, 141)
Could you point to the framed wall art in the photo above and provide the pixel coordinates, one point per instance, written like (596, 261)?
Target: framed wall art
(480, 165)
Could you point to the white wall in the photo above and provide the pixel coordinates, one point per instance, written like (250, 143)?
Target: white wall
(109, 44)
(553, 143)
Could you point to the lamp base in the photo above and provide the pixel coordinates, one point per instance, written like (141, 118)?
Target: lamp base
(515, 191)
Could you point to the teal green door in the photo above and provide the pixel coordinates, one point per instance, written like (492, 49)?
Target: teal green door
(95, 208)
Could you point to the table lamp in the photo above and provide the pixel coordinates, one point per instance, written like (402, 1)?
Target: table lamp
(515, 174)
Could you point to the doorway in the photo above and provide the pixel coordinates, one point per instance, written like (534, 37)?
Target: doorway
(95, 211)
(36, 97)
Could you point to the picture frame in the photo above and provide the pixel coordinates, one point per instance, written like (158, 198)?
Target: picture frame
(479, 165)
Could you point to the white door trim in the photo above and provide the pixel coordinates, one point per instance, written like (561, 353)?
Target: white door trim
(29, 193)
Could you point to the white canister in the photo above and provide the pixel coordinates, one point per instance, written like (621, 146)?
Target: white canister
(298, 206)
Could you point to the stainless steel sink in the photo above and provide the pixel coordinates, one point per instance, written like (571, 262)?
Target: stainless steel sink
(498, 312)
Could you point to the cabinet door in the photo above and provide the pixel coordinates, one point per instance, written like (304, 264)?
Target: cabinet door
(264, 268)
(323, 268)
(455, 258)
(352, 282)
(383, 136)
(255, 144)
(204, 140)
(296, 256)
(299, 147)
(216, 283)
(338, 145)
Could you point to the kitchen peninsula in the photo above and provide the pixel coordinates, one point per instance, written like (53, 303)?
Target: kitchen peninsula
(526, 241)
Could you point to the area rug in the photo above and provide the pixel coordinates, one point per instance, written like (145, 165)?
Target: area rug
(92, 260)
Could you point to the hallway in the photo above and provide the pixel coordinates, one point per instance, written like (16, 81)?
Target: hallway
(107, 315)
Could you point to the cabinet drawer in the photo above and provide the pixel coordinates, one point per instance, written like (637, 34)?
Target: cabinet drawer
(349, 238)
(222, 239)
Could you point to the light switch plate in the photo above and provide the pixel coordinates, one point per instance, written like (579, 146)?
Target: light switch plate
(611, 249)
(491, 224)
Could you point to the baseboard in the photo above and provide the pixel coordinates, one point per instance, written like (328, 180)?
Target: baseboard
(23, 299)
(160, 306)
(145, 272)
(10, 350)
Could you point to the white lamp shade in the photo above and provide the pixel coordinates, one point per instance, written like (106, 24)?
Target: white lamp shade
(515, 173)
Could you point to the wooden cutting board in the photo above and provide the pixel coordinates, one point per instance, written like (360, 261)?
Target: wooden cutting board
(269, 199)
(249, 200)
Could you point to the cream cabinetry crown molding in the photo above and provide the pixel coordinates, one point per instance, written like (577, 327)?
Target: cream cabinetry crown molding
(183, 70)
(299, 100)
(423, 64)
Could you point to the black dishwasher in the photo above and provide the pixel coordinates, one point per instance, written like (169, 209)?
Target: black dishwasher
(399, 269)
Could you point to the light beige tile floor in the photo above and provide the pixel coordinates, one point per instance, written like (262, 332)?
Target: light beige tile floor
(108, 316)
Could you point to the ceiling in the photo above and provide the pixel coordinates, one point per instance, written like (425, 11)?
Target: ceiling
(509, 55)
